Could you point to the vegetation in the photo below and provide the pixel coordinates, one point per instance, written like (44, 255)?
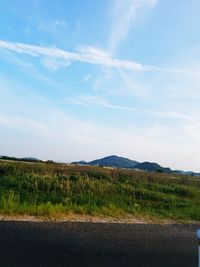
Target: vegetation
(58, 189)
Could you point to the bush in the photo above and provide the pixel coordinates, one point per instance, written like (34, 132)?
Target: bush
(56, 189)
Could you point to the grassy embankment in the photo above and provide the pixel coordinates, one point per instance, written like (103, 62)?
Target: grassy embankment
(55, 190)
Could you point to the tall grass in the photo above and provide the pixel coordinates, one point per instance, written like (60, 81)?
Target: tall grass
(57, 189)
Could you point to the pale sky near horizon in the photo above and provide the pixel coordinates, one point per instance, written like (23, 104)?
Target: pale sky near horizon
(84, 79)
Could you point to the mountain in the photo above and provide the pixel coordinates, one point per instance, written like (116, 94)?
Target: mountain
(120, 162)
(151, 167)
(190, 173)
(112, 161)
(28, 159)
(82, 162)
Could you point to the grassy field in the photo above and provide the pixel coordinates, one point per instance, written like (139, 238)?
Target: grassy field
(55, 190)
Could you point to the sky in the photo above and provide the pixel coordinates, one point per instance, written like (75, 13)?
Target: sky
(84, 79)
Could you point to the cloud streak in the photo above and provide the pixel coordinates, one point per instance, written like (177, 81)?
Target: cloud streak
(90, 100)
(103, 102)
(89, 55)
(125, 15)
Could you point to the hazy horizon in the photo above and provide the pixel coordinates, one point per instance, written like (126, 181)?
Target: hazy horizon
(81, 80)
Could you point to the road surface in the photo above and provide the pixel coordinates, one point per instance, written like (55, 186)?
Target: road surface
(96, 244)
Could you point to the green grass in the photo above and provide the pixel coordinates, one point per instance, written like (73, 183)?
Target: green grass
(54, 190)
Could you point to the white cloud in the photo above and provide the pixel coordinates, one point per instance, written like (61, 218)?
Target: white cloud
(171, 115)
(27, 124)
(52, 26)
(30, 69)
(58, 22)
(84, 54)
(125, 15)
(53, 64)
(48, 139)
(96, 100)
(34, 127)
(87, 77)
(132, 85)
(53, 58)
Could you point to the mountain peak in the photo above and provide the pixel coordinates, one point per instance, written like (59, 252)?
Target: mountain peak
(112, 161)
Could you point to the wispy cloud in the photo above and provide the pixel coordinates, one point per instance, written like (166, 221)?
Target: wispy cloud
(54, 64)
(125, 15)
(50, 127)
(100, 101)
(27, 124)
(30, 69)
(58, 129)
(170, 115)
(52, 25)
(132, 85)
(87, 77)
(97, 100)
(53, 58)
(89, 55)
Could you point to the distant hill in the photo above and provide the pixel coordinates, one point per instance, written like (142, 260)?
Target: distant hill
(190, 173)
(26, 159)
(120, 162)
(29, 159)
(82, 162)
(111, 161)
(114, 161)
(151, 166)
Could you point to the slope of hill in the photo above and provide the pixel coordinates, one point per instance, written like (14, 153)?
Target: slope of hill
(26, 159)
(112, 161)
(115, 161)
(151, 166)
(120, 162)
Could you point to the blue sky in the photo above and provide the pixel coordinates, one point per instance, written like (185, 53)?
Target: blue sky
(80, 80)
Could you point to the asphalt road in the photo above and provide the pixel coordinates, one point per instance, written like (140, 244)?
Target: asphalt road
(96, 244)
